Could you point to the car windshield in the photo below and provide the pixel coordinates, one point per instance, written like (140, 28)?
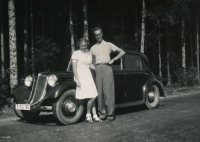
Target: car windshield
(134, 62)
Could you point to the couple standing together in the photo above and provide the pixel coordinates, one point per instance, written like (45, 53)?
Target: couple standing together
(98, 59)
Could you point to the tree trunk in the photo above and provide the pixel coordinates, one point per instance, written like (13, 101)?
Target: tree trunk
(71, 32)
(168, 66)
(2, 42)
(75, 24)
(183, 40)
(85, 22)
(191, 45)
(26, 39)
(136, 28)
(159, 53)
(122, 26)
(43, 33)
(143, 26)
(32, 41)
(197, 34)
(43, 18)
(51, 22)
(71, 27)
(12, 44)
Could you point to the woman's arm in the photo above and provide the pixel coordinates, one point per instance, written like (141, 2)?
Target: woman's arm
(74, 66)
(92, 65)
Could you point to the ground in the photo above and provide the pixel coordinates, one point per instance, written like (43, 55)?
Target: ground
(176, 119)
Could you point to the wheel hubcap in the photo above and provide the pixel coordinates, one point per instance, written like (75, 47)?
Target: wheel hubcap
(151, 96)
(71, 106)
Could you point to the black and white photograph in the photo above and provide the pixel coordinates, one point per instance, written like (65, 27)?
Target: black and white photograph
(99, 71)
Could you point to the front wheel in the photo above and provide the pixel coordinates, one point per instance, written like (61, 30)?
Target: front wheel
(66, 110)
(18, 112)
(152, 96)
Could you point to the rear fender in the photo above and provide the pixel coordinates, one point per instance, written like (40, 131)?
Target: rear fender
(148, 83)
(60, 88)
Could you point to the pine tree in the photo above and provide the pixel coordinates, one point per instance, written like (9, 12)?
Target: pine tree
(12, 44)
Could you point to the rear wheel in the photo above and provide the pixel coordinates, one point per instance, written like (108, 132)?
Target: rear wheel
(152, 96)
(67, 110)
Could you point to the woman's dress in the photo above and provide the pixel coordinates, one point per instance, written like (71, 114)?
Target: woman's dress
(87, 88)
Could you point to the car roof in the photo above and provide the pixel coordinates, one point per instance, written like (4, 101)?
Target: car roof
(137, 53)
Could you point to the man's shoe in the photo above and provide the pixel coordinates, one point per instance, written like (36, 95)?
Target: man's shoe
(110, 119)
(102, 117)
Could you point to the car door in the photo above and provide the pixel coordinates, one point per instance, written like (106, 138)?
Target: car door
(120, 86)
(132, 90)
(119, 80)
(133, 66)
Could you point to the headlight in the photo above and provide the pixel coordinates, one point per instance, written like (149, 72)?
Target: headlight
(52, 79)
(28, 81)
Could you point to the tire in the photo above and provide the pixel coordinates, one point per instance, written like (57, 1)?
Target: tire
(18, 112)
(152, 96)
(66, 110)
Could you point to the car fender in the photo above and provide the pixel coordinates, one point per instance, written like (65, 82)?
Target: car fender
(148, 83)
(60, 88)
(21, 94)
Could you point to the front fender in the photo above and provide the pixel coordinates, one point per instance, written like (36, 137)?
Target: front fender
(148, 83)
(21, 94)
(58, 89)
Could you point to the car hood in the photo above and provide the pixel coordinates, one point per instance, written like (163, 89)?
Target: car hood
(58, 73)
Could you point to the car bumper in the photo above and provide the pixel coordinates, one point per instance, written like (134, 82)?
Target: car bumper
(33, 108)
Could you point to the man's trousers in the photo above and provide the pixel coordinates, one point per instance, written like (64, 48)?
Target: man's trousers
(106, 92)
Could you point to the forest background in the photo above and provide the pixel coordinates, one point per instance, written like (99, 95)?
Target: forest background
(40, 35)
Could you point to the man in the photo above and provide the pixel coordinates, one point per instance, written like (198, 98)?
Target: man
(104, 75)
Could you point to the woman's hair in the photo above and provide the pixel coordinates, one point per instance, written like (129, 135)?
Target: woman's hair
(82, 40)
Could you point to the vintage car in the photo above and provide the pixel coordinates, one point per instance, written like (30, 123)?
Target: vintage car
(55, 91)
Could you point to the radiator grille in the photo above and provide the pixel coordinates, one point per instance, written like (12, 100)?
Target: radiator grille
(39, 89)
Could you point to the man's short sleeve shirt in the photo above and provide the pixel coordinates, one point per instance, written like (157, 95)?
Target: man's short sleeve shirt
(101, 52)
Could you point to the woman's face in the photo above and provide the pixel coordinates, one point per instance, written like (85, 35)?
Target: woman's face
(83, 46)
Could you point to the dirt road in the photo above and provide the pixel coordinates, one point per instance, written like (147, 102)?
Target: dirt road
(176, 119)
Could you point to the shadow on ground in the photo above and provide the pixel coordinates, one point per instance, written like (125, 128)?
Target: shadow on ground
(126, 110)
(49, 120)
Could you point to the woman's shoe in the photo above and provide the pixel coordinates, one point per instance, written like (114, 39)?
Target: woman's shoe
(88, 119)
(96, 119)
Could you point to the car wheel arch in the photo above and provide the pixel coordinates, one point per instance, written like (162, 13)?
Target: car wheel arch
(58, 90)
(145, 88)
(148, 84)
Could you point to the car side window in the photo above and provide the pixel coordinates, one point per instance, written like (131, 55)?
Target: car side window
(134, 62)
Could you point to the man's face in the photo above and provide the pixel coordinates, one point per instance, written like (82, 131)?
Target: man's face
(98, 35)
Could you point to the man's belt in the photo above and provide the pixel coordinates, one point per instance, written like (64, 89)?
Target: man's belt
(103, 64)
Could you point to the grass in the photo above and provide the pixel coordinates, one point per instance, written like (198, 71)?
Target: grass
(7, 114)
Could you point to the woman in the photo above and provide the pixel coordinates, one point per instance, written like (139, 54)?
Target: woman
(86, 89)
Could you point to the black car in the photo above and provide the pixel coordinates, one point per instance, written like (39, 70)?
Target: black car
(55, 91)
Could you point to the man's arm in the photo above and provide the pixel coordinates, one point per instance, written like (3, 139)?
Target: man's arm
(93, 57)
(121, 53)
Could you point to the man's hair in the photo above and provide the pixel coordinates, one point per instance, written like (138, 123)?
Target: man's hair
(82, 40)
(97, 28)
